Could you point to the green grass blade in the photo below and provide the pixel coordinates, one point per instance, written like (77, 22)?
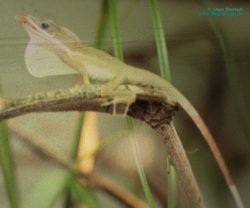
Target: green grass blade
(172, 179)
(102, 25)
(68, 198)
(8, 167)
(166, 74)
(160, 41)
(48, 190)
(139, 166)
(78, 136)
(119, 54)
(100, 34)
(115, 30)
(83, 194)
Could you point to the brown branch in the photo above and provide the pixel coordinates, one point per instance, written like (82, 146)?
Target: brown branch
(73, 99)
(155, 117)
(183, 168)
(149, 107)
(118, 192)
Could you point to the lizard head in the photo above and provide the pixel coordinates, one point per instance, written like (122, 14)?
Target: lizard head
(47, 32)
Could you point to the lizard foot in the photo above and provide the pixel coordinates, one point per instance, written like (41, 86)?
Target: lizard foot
(126, 98)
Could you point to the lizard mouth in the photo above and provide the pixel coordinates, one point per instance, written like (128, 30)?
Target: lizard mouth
(26, 22)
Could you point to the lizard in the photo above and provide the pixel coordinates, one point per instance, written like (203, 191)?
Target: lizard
(62, 45)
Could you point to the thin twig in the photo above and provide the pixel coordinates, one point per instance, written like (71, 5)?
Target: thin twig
(73, 99)
(118, 192)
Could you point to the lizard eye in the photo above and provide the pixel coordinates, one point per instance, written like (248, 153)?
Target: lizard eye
(44, 25)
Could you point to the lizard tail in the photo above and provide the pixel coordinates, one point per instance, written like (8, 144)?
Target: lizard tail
(199, 122)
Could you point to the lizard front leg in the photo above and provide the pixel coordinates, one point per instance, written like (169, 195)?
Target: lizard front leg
(109, 87)
(74, 61)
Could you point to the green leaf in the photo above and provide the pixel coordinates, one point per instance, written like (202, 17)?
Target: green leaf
(83, 194)
(8, 167)
(47, 189)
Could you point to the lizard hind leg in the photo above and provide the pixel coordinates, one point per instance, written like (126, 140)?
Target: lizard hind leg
(119, 96)
(113, 84)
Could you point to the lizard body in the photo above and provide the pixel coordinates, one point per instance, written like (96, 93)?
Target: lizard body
(94, 64)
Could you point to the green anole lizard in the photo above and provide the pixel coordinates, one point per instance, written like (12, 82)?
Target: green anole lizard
(65, 54)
